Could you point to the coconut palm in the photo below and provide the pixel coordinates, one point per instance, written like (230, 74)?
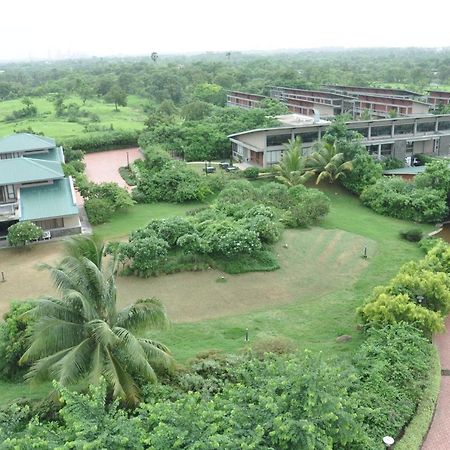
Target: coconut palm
(292, 170)
(327, 163)
(81, 336)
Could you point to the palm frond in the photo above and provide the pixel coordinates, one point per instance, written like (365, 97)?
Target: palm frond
(123, 384)
(102, 333)
(144, 314)
(51, 335)
(75, 363)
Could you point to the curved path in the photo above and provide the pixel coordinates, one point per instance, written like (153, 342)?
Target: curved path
(438, 437)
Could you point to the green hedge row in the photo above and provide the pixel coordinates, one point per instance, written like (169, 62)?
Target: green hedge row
(96, 142)
(417, 429)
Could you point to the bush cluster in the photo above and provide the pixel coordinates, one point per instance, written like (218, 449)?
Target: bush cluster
(165, 179)
(401, 199)
(419, 294)
(102, 200)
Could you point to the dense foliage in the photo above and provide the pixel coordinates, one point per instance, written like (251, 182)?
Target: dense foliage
(21, 233)
(14, 333)
(419, 294)
(279, 402)
(102, 200)
(405, 200)
(242, 222)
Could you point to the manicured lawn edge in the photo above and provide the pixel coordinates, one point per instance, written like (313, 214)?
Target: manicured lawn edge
(417, 429)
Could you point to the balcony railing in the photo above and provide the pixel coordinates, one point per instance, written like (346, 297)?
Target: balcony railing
(9, 211)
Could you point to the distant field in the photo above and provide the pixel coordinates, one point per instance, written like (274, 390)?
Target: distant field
(130, 117)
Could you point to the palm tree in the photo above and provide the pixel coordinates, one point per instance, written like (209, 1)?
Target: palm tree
(81, 336)
(292, 170)
(327, 163)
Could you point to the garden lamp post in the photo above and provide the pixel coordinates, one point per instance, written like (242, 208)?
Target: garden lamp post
(388, 441)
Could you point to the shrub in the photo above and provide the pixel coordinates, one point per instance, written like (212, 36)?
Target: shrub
(392, 163)
(98, 210)
(412, 235)
(308, 206)
(167, 229)
(174, 182)
(392, 366)
(278, 345)
(391, 309)
(14, 334)
(251, 173)
(22, 233)
(398, 198)
(146, 254)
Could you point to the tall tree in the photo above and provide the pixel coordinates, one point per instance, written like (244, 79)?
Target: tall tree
(81, 336)
(117, 96)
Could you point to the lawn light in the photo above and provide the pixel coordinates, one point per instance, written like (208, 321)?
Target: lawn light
(246, 335)
(3, 277)
(365, 252)
(128, 160)
(388, 441)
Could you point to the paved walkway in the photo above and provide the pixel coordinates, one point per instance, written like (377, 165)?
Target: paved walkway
(102, 167)
(438, 437)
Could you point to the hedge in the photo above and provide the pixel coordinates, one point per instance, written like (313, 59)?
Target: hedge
(417, 429)
(96, 142)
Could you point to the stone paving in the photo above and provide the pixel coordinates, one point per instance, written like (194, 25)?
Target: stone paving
(438, 437)
(102, 167)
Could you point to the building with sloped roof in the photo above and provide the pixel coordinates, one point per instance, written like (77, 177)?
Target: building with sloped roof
(33, 185)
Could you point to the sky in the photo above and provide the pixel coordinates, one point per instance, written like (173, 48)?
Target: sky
(51, 29)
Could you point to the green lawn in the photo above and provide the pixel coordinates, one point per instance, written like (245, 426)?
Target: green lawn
(313, 321)
(130, 117)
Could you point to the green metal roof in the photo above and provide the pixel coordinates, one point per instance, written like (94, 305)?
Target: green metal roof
(47, 201)
(53, 154)
(25, 142)
(405, 171)
(26, 170)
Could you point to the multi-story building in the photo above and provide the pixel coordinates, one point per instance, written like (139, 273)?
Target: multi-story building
(437, 98)
(385, 92)
(340, 104)
(33, 186)
(398, 137)
(243, 99)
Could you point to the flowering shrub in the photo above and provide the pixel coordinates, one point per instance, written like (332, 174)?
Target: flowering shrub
(21, 233)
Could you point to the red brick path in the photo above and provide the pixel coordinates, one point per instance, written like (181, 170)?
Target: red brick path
(438, 437)
(102, 167)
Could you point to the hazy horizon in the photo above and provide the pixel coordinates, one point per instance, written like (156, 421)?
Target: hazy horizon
(51, 30)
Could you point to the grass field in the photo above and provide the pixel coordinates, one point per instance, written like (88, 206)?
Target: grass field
(130, 117)
(310, 299)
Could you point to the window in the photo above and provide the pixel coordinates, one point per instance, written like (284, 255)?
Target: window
(425, 127)
(308, 137)
(404, 128)
(381, 131)
(444, 125)
(364, 131)
(278, 139)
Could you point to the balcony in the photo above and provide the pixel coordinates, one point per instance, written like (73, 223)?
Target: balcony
(9, 211)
